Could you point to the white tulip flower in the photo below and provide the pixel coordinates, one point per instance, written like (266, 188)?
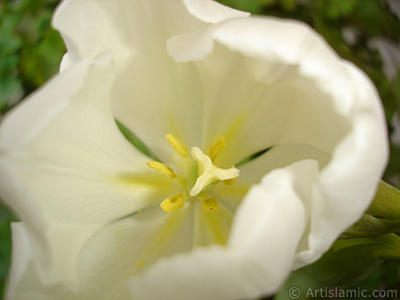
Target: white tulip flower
(205, 88)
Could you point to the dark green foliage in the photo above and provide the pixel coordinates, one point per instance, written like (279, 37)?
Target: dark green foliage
(30, 50)
(5, 244)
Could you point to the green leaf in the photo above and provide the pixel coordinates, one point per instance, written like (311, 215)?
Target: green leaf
(383, 215)
(136, 142)
(5, 244)
(41, 61)
(386, 203)
(10, 91)
(9, 42)
(371, 226)
(251, 6)
(346, 263)
(288, 5)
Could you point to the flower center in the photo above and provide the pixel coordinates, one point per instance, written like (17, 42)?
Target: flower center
(208, 172)
(203, 176)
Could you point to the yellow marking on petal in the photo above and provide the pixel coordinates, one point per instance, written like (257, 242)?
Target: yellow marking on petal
(140, 263)
(210, 204)
(235, 126)
(172, 203)
(162, 168)
(231, 181)
(178, 145)
(217, 147)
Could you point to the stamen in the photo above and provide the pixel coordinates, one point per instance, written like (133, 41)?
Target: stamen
(210, 204)
(178, 145)
(233, 180)
(217, 147)
(162, 168)
(172, 203)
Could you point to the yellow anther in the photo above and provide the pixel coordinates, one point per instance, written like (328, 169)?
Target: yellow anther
(231, 181)
(210, 204)
(140, 263)
(217, 147)
(172, 203)
(162, 168)
(178, 145)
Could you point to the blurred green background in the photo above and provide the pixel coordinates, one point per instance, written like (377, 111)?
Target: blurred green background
(366, 32)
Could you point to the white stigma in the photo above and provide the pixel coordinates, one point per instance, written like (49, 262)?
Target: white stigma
(208, 173)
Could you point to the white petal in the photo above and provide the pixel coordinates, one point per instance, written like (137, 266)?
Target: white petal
(125, 27)
(211, 227)
(97, 264)
(191, 46)
(272, 218)
(212, 273)
(21, 257)
(298, 92)
(267, 82)
(211, 11)
(149, 85)
(291, 44)
(15, 134)
(348, 183)
(86, 31)
(120, 250)
(25, 279)
(136, 242)
(261, 38)
(280, 156)
(291, 90)
(258, 257)
(66, 169)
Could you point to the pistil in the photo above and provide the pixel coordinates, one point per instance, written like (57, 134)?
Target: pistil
(203, 175)
(208, 172)
(231, 181)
